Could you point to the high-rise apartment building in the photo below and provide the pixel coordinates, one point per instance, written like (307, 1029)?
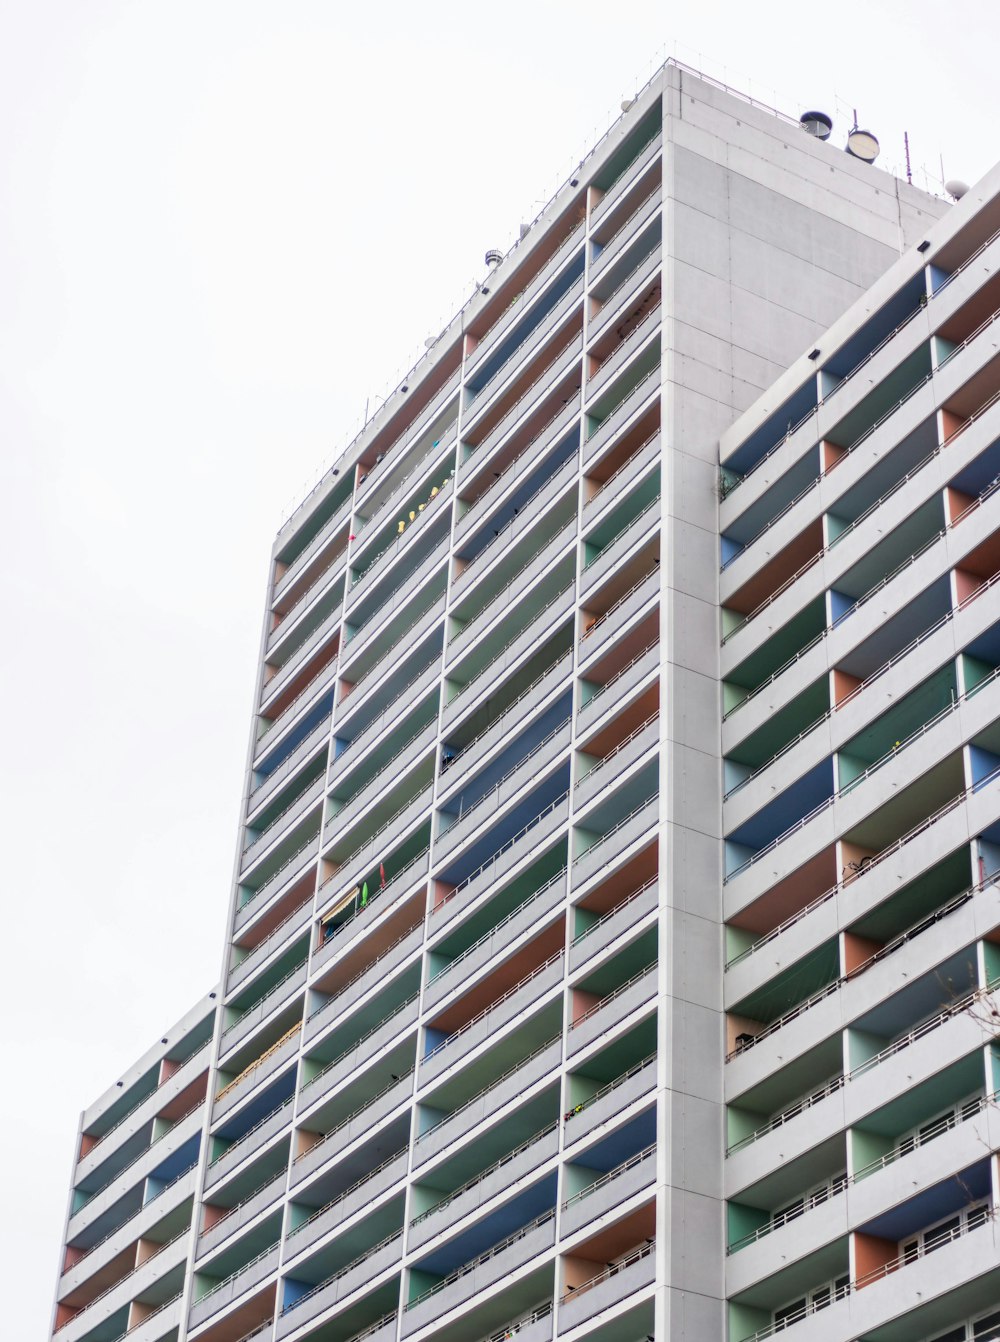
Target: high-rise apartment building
(613, 933)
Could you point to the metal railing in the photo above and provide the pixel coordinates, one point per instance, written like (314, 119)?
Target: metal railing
(616, 750)
(495, 1081)
(275, 1181)
(605, 918)
(641, 519)
(351, 983)
(89, 1304)
(503, 716)
(240, 1272)
(981, 410)
(519, 516)
(529, 759)
(800, 1208)
(342, 1272)
(251, 1132)
(501, 603)
(250, 1072)
(977, 1217)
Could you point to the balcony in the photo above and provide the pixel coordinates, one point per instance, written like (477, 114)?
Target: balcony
(632, 298)
(608, 769)
(355, 919)
(300, 864)
(315, 743)
(490, 341)
(614, 553)
(278, 1055)
(489, 1104)
(376, 975)
(107, 1146)
(629, 1276)
(382, 1258)
(468, 752)
(637, 909)
(536, 346)
(633, 1087)
(179, 1142)
(608, 697)
(613, 618)
(357, 1056)
(481, 1028)
(304, 559)
(249, 1144)
(483, 812)
(362, 1195)
(608, 847)
(489, 949)
(166, 1260)
(625, 234)
(627, 180)
(634, 1176)
(494, 492)
(470, 1281)
(489, 875)
(231, 1288)
(257, 1014)
(361, 1123)
(634, 995)
(494, 1181)
(539, 632)
(274, 942)
(83, 1262)
(515, 595)
(489, 546)
(235, 1218)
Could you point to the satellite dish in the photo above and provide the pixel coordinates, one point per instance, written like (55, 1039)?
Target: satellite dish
(956, 188)
(817, 124)
(862, 144)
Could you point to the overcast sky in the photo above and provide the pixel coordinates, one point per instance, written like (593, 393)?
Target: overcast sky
(224, 225)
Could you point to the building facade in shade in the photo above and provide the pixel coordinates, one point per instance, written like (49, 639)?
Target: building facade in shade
(612, 940)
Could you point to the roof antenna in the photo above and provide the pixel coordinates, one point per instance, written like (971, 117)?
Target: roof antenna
(906, 146)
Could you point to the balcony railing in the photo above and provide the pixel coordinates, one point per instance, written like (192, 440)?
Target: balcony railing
(978, 1217)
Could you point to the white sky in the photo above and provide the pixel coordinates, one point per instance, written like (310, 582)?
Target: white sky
(223, 225)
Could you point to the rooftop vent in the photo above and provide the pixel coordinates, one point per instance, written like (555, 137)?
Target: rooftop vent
(493, 257)
(862, 144)
(817, 124)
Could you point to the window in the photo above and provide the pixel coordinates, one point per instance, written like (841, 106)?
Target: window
(942, 1232)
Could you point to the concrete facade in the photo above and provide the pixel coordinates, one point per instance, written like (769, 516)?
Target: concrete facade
(574, 949)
